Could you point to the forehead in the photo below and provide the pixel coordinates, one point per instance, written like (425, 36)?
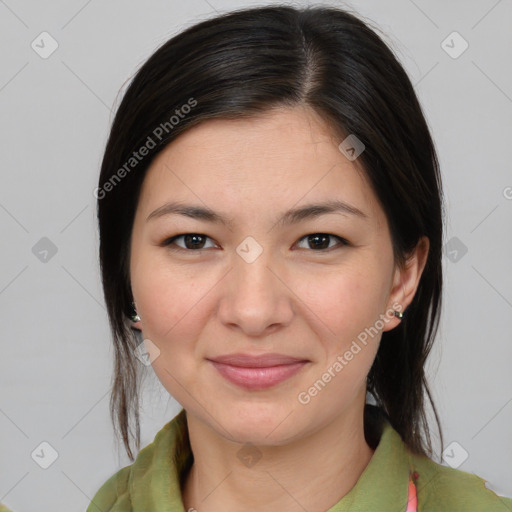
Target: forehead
(284, 157)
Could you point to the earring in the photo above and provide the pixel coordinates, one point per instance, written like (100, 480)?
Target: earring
(135, 317)
(398, 314)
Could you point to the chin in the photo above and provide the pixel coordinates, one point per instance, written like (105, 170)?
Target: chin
(259, 436)
(260, 423)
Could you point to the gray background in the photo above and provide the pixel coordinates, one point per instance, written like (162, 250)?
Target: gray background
(56, 361)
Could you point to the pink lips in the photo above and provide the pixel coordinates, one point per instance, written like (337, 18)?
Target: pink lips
(257, 372)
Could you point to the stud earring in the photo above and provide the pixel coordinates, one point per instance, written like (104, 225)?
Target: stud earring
(135, 317)
(398, 314)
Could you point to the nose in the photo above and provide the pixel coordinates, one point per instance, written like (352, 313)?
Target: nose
(255, 298)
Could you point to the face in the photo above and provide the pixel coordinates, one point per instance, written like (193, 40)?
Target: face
(318, 288)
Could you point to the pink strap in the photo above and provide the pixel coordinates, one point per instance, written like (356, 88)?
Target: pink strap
(412, 500)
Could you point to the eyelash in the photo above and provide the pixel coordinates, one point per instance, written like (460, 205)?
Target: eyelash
(170, 241)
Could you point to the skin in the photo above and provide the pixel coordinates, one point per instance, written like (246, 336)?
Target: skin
(294, 299)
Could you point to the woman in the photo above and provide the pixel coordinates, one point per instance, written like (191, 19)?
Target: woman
(271, 220)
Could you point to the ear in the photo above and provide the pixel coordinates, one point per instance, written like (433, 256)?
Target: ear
(406, 281)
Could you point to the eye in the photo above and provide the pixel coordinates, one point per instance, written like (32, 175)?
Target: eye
(192, 241)
(320, 241)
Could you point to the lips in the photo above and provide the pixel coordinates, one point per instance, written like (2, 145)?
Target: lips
(257, 361)
(258, 371)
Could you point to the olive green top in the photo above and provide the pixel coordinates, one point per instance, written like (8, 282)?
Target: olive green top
(154, 481)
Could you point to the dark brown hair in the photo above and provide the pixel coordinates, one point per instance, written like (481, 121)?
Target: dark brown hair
(244, 63)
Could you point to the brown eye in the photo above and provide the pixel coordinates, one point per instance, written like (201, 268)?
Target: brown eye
(191, 241)
(320, 241)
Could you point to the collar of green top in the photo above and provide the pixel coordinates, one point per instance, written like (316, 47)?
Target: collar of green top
(154, 483)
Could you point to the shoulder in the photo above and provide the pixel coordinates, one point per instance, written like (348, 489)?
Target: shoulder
(444, 488)
(115, 495)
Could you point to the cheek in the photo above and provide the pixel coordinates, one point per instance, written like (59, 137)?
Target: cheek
(346, 308)
(168, 296)
(345, 300)
(172, 312)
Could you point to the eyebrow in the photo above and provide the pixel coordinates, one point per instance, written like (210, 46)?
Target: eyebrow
(292, 216)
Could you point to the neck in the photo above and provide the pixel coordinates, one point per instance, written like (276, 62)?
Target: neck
(336, 456)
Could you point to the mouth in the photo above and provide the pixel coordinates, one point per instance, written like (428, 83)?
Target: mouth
(257, 372)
